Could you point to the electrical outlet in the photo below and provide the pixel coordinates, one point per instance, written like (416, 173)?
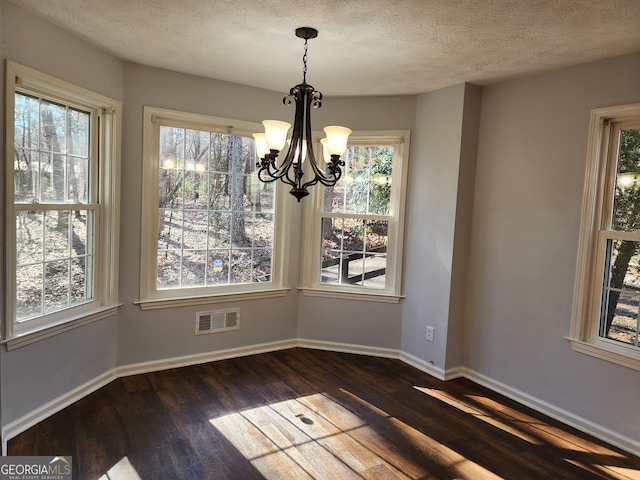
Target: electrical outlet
(430, 331)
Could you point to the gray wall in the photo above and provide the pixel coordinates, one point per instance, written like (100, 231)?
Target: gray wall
(436, 170)
(528, 195)
(157, 334)
(36, 374)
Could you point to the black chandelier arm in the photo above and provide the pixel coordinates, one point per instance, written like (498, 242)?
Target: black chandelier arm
(268, 178)
(290, 169)
(268, 171)
(328, 181)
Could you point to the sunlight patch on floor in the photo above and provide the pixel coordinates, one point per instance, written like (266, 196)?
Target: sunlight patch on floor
(480, 414)
(535, 431)
(123, 470)
(316, 437)
(547, 434)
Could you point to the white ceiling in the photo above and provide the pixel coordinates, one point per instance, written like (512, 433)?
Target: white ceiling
(364, 47)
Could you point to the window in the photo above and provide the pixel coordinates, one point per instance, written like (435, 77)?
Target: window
(353, 231)
(607, 299)
(62, 221)
(210, 227)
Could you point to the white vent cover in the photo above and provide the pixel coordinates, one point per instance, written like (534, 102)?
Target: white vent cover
(217, 321)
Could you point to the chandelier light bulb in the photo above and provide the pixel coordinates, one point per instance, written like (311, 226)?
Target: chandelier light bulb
(297, 152)
(261, 145)
(275, 133)
(337, 139)
(325, 151)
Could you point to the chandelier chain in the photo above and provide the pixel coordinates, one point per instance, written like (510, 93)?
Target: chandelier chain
(304, 62)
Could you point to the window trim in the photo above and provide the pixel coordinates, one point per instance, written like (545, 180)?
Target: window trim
(152, 298)
(310, 268)
(598, 184)
(108, 111)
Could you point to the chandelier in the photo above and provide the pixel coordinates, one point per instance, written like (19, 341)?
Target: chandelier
(289, 169)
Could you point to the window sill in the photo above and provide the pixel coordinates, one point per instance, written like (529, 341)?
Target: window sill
(612, 353)
(28, 338)
(369, 297)
(227, 297)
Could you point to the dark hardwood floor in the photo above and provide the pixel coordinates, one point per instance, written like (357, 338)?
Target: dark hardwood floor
(313, 414)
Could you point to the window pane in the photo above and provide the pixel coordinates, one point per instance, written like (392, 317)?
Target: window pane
(193, 268)
(374, 271)
(366, 184)
(262, 265)
(621, 290)
(240, 234)
(56, 235)
(26, 175)
(219, 229)
(53, 260)
(79, 290)
(215, 225)
(218, 198)
(260, 227)
(79, 239)
(78, 133)
(56, 285)
(169, 267)
(29, 291)
(626, 206)
(197, 150)
(218, 267)
(195, 237)
(624, 324)
(260, 195)
(53, 128)
(169, 229)
(52, 143)
(26, 122)
(332, 235)
(78, 179)
(196, 190)
(240, 266)
(354, 252)
(29, 237)
(172, 148)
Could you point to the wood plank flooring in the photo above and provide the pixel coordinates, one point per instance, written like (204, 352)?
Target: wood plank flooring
(310, 414)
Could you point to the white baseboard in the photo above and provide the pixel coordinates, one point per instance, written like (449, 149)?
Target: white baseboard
(185, 361)
(625, 443)
(348, 348)
(422, 365)
(32, 418)
(27, 421)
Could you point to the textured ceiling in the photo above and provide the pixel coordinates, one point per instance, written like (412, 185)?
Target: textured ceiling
(364, 47)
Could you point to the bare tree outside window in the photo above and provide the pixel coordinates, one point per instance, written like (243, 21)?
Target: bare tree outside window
(54, 242)
(215, 223)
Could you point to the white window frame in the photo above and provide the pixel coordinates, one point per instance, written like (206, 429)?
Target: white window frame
(594, 232)
(150, 296)
(107, 114)
(310, 273)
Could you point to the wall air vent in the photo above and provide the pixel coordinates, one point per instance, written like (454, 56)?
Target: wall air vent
(215, 321)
